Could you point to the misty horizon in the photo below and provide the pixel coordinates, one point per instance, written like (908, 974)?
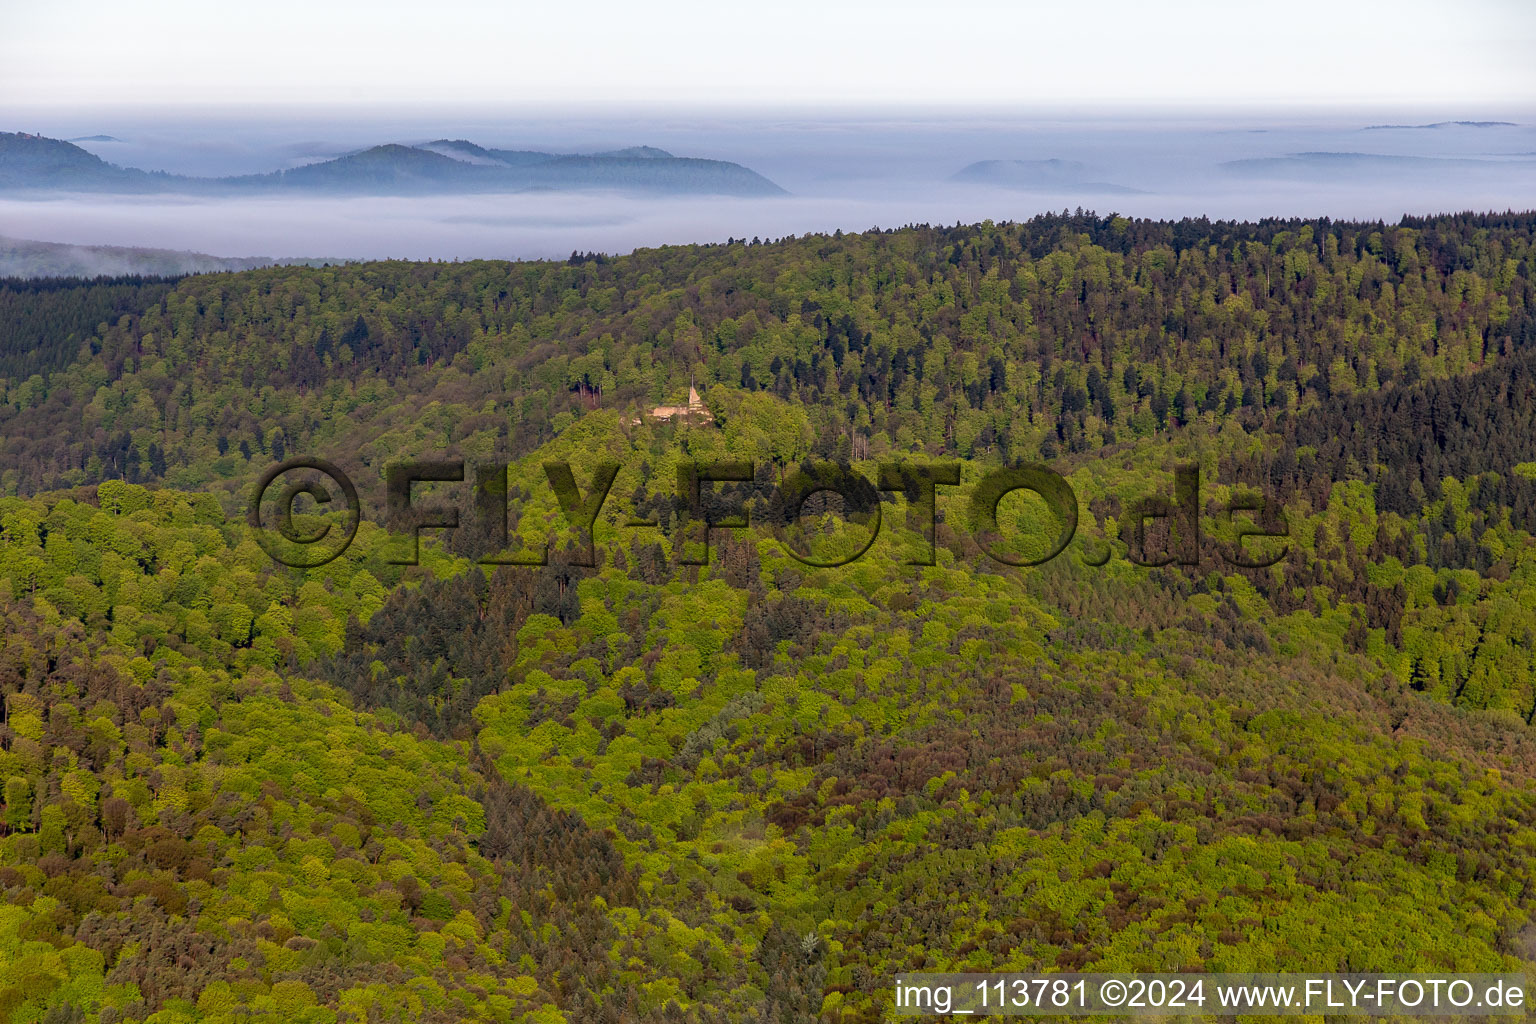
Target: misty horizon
(849, 172)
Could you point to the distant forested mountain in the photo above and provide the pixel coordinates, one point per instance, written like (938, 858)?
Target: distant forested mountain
(634, 788)
(32, 163)
(35, 162)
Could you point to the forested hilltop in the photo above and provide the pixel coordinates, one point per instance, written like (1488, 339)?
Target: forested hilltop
(24, 258)
(757, 790)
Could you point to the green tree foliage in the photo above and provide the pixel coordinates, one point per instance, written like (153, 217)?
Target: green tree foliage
(649, 790)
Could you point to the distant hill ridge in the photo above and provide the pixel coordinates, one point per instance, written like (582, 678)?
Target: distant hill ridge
(36, 163)
(24, 258)
(1036, 175)
(1441, 124)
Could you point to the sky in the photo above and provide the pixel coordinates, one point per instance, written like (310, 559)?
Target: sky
(787, 53)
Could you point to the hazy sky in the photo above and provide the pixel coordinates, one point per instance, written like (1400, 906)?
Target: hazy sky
(1468, 56)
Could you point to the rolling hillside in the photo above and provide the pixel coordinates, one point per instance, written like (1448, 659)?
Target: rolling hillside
(644, 789)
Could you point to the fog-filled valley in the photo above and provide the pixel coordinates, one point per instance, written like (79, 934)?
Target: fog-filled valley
(848, 172)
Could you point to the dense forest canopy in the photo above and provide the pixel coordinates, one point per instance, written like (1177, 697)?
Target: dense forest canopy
(756, 789)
